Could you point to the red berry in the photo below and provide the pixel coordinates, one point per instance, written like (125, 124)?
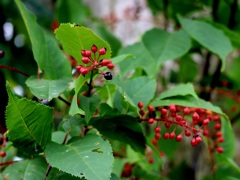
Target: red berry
(179, 138)
(154, 142)
(198, 139)
(84, 70)
(88, 53)
(195, 116)
(78, 68)
(163, 112)
(102, 51)
(220, 149)
(94, 48)
(151, 121)
(205, 132)
(105, 62)
(217, 126)
(83, 52)
(157, 130)
(157, 136)
(141, 112)
(2, 153)
(205, 122)
(150, 108)
(187, 133)
(168, 125)
(151, 160)
(172, 135)
(183, 123)
(85, 60)
(218, 134)
(166, 135)
(140, 105)
(178, 118)
(172, 108)
(186, 111)
(173, 114)
(193, 142)
(220, 139)
(110, 66)
(216, 118)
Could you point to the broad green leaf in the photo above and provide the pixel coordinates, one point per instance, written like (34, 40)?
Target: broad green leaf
(89, 157)
(76, 38)
(47, 54)
(186, 63)
(33, 169)
(30, 125)
(123, 128)
(47, 89)
(208, 36)
(165, 46)
(121, 58)
(141, 58)
(58, 137)
(137, 89)
(89, 106)
(70, 122)
(179, 90)
(74, 109)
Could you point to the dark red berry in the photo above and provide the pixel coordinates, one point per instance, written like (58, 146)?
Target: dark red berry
(168, 125)
(85, 60)
(94, 48)
(198, 139)
(187, 133)
(108, 76)
(105, 62)
(110, 66)
(141, 112)
(193, 142)
(150, 108)
(140, 105)
(172, 108)
(83, 52)
(218, 134)
(195, 116)
(217, 126)
(2, 53)
(220, 139)
(179, 138)
(216, 118)
(84, 70)
(172, 135)
(178, 118)
(220, 150)
(186, 111)
(154, 142)
(205, 132)
(205, 122)
(151, 160)
(157, 130)
(2, 153)
(151, 121)
(166, 135)
(163, 112)
(102, 51)
(78, 68)
(157, 136)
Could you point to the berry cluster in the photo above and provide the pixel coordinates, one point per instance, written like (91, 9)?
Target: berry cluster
(192, 121)
(91, 58)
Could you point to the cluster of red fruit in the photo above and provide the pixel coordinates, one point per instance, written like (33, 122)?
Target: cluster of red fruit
(92, 60)
(192, 121)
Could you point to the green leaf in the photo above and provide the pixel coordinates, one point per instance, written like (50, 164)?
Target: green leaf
(137, 89)
(74, 109)
(47, 89)
(76, 38)
(47, 54)
(33, 169)
(58, 137)
(123, 128)
(208, 36)
(165, 46)
(30, 125)
(89, 157)
(179, 90)
(141, 58)
(89, 105)
(70, 122)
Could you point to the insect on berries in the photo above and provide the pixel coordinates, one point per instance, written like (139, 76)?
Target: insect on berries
(93, 62)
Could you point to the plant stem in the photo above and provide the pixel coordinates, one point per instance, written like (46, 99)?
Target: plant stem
(232, 17)
(90, 87)
(211, 159)
(65, 101)
(215, 6)
(14, 69)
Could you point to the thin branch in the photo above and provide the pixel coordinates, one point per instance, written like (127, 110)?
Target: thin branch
(233, 12)
(90, 87)
(65, 101)
(14, 69)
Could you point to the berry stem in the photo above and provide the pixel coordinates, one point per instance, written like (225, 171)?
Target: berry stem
(211, 158)
(14, 69)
